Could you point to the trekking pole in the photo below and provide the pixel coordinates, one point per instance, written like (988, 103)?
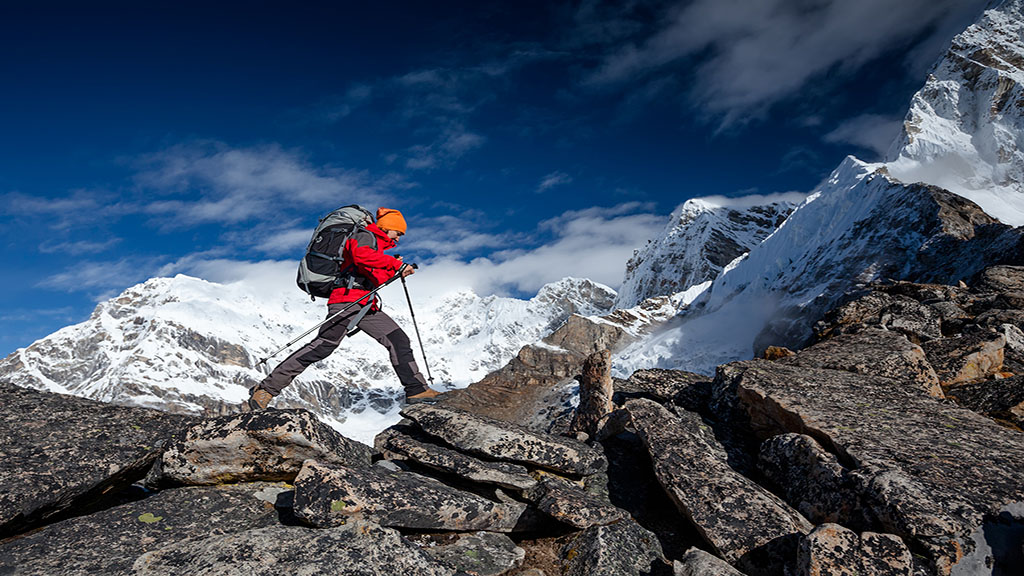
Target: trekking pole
(329, 318)
(413, 314)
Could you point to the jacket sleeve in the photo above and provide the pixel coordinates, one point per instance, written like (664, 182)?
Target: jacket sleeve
(371, 262)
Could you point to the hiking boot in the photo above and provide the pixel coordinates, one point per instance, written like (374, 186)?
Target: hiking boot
(427, 396)
(259, 399)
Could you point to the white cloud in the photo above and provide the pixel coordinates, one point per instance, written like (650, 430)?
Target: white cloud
(98, 276)
(870, 131)
(593, 243)
(79, 208)
(751, 200)
(79, 248)
(453, 241)
(762, 52)
(452, 143)
(291, 241)
(211, 182)
(553, 179)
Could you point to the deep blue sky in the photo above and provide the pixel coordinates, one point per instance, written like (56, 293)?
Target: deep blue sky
(141, 139)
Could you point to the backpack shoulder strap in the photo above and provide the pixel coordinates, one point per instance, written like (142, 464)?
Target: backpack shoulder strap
(365, 238)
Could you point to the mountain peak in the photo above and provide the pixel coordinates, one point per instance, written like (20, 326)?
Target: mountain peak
(701, 238)
(963, 127)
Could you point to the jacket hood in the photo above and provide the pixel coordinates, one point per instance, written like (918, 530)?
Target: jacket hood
(383, 240)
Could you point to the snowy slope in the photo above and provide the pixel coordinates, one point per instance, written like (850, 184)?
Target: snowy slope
(871, 221)
(184, 344)
(859, 226)
(702, 236)
(963, 130)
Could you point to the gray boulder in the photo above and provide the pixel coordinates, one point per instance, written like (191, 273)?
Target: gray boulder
(834, 550)
(885, 555)
(109, 541)
(1000, 279)
(996, 318)
(621, 549)
(63, 453)
(873, 352)
(747, 525)
(697, 562)
(1002, 398)
(689, 390)
(918, 322)
(397, 442)
(575, 506)
(480, 553)
(507, 442)
(924, 293)
(357, 548)
(326, 496)
(263, 445)
(811, 479)
(927, 471)
(967, 357)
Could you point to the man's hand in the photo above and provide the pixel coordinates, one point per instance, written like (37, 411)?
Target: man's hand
(407, 270)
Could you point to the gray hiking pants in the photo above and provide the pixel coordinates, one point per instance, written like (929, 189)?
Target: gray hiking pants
(376, 324)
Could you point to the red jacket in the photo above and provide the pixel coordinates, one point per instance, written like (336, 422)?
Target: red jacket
(372, 267)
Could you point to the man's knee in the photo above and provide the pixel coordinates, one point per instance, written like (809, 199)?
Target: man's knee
(399, 339)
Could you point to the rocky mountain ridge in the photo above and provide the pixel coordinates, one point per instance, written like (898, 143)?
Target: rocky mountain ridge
(845, 457)
(189, 346)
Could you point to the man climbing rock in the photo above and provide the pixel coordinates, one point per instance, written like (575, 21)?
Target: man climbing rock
(368, 267)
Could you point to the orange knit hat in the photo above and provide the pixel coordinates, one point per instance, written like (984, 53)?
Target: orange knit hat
(389, 219)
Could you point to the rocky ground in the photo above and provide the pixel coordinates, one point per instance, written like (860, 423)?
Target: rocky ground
(891, 446)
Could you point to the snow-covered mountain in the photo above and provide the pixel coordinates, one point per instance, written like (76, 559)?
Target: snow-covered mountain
(963, 130)
(898, 220)
(187, 345)
(702, 236)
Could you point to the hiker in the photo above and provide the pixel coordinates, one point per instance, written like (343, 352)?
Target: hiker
(370, 267)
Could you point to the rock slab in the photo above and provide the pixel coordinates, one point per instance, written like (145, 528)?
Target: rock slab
(506, 442)
(355, 549)
(398, 442)
(326, 496)
(697, 562)
(573, 505)
(623, 549)
(109, 541)
(480, 553)
(748, 526)
(59, 453)
(831, 550)
(928, 471)
(252, 446)
(872, 352)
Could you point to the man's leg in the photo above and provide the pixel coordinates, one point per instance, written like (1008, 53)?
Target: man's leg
(383, 329)
(326, 341)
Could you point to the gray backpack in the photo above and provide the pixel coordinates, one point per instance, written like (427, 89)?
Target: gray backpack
(320, 269)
